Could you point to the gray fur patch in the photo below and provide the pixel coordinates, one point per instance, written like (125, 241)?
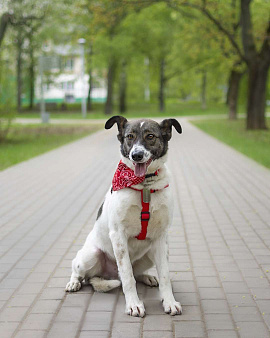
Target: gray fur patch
(100, 211)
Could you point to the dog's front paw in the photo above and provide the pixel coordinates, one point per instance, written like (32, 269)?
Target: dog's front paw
(172, 307)
(135, 309)
(73, 286)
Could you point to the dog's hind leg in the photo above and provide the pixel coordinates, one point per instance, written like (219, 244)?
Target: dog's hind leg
(140, 266)
(85, 264)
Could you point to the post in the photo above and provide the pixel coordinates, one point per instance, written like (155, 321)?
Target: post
(44, 116)
(82, 42)
(147, 80)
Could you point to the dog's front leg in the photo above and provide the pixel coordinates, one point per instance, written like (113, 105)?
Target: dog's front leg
(134, 306)
(170, 305)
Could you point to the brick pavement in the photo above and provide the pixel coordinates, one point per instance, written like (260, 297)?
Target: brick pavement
(219, 244)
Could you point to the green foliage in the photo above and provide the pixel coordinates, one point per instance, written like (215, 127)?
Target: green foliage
(7, 102)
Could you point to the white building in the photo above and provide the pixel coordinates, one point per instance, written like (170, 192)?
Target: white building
(62, 79)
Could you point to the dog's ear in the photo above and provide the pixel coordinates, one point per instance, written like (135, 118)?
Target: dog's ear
(166, 128)
(121, 122)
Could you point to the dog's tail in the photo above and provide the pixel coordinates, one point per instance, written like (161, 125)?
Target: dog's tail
(104, 285)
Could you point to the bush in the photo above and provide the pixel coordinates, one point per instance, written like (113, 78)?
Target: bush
(7, 114)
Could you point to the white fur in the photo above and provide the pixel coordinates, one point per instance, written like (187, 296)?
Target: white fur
(139, 148)
(114, 234)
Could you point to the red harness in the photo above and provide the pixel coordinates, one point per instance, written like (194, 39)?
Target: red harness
(145, 213)
(124, 178)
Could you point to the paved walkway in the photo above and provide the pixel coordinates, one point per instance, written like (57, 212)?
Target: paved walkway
(219, 244)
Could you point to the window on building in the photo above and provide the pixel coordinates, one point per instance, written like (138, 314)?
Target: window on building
(69, 64)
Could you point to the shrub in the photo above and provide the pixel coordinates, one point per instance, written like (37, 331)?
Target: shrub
(7, 114)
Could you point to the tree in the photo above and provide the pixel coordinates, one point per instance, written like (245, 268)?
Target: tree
(107, 16)
(255, 56)
(4, 22)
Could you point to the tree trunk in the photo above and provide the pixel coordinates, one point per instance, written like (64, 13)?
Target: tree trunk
(203, 93)
(161, 95)
(19, 70)
(232, 94)
(89, 102)
(110, 82)
(123, 88)
(257, 84)
(31, 74)
(3, 25)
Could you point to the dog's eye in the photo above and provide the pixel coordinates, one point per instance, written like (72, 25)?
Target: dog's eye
(150, 136)
(130, 137)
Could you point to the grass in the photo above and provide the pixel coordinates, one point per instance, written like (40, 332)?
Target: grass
(253, 143)
(25, 142)
(136, 111)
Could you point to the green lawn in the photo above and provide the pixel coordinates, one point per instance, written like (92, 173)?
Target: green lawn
(255, 144)
(24, 142)
(137, 111)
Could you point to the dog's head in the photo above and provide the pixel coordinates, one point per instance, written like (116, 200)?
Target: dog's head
(143, 141)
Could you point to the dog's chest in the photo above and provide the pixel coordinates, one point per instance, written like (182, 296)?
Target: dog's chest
(159, 215)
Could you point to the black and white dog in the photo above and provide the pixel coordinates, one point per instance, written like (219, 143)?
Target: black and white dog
(130, 233)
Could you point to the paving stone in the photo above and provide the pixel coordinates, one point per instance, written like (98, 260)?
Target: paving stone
(218, 322)
(123, 330)
(189, 329)
(99, 321)
(53, 293)
(94, 334)
(30, 334)
(21, 300)
(204, 272)
(8, 328)
(157, 334)
(102, 302)
(258, 282)
(215, 306)
(187, 298)
(207, 282)
(222, 334)
(261, 293)
(46, 306)
(76, 299)
(264, 305)
(37, 321)
(30, 288)
(65, 329)
(153, 306)
(245, 314)
(70, 314)
(183, 286)
(13, 314)
(251, 330)
(235, 287)
(211, 293)
(158, 323)
(240, 299)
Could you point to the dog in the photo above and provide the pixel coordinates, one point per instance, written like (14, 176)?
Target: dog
(130, 232)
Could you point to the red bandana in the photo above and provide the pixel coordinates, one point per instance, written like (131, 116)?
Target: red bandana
(124, 177)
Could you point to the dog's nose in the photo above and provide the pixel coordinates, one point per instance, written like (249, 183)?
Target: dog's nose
(137, 156)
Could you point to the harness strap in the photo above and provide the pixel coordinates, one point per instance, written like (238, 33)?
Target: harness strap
(145, 214)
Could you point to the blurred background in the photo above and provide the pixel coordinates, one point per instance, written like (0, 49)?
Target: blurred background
(66, 65)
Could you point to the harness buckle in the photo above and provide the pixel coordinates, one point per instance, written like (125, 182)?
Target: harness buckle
(145, 216)
(146, 195)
